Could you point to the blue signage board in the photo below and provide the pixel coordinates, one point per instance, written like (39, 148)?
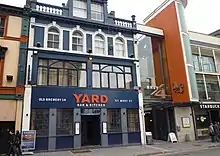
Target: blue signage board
(57, 97)
(28, 139)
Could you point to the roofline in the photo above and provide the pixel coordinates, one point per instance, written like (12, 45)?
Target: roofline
(11, 10)
(161, 7)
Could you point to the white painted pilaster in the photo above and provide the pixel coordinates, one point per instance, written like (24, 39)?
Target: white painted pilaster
(140, 96)
(26, 117)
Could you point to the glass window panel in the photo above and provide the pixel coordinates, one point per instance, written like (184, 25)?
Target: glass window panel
(64, 124)
(95, 66)
(58, 64)
(121, 81)
(50, 37)
(49, 44)
(82, 78)
(128, 81)
(43, 62)
(106, 68)
(52, 76)
(114, 120)
(56, 45)
(113, 80)
(69, 65)
(95, 79)
(128, 69)
(63, 77)
(42, 76)
(133, 120)
(80, 8)
(72, 78)
(97, 12)
(105, 80)
(40, 121)
(56, 38)
(117, 70)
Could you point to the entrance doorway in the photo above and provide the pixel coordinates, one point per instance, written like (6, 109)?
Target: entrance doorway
(91, 129)
(4, 127)
(149, 126)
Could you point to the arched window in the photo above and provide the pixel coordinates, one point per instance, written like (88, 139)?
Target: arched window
(77, 41)
(53, 38)
(99, 44)
(119, 47)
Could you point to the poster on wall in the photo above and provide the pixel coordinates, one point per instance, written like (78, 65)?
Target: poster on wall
(186, 122)
(28, 139)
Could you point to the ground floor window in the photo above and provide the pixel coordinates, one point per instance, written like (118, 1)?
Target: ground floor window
(114, 120)
(64, 125)
(202, 122)
(133, 120)
(40, 121)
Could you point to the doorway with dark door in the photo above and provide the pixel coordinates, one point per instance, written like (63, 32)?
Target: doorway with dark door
(4, 135)
(91, 127)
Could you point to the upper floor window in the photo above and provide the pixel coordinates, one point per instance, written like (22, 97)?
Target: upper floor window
(208, 64)
(80, 8)
(99, 44)
(119, 47)
(62, 73)
(53, 38)
(97, 12)
(107, 76)
(2, 25)
(77, 41)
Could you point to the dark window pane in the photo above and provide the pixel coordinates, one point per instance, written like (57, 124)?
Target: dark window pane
(56, 45)
(64, 124)
(52, 76)
(50, 37)
(128, 81)
(50, 44)
(82, 78)
(96, 79)
(113, 80)
(72, 78)
(56, 38)
(114, 120)
(63, 77)
(133, 120)
(1, 32)
(74, 47)
(42, 76)
(105, 80)
(121, 81)
(40, 121)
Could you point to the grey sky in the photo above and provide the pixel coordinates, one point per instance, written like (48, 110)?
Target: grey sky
(201, 15)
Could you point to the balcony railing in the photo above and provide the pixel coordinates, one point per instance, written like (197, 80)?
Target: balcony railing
(124, 23)
(47, 8)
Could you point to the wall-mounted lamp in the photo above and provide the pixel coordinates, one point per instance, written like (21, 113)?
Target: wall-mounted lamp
(9, 78)
(38, 44)
(131, 55)
(90, 58)
(89, 51)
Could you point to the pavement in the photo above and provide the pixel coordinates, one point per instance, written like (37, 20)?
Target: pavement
(159, 148)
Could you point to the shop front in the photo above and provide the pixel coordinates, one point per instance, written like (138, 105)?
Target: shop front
(67, 118)
(206, 113)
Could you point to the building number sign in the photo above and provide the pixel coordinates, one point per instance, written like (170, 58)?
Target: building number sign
(178, 88)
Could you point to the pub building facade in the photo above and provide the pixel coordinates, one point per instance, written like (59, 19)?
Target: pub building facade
(80, 77)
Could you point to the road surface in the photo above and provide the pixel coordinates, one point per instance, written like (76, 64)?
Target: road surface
(209, 152)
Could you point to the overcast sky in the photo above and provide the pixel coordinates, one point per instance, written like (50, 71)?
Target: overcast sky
(201, 15)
